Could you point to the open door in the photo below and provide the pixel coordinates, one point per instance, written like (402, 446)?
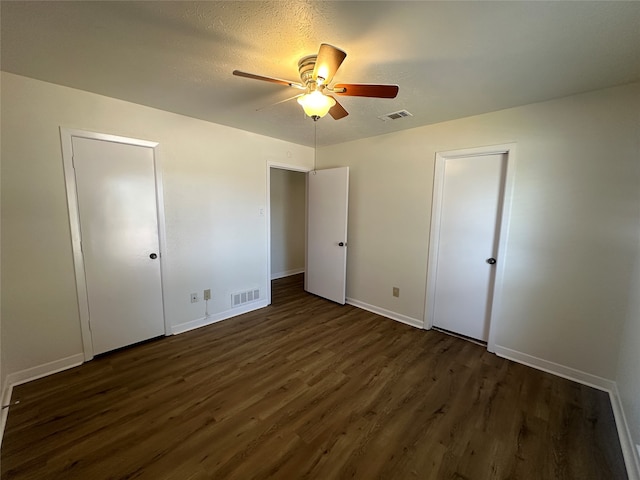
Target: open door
(327, 200)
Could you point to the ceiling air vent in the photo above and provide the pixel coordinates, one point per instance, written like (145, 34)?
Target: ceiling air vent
(395, 115)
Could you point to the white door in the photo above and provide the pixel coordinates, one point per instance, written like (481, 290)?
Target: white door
(327, 194)
(470, 200)
(117, 208)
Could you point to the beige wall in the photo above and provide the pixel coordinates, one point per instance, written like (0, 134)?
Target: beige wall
(215, 182)
(288, 217)
(573, 224)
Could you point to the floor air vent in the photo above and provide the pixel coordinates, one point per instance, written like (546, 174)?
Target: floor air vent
(395, 115)
(240, 298)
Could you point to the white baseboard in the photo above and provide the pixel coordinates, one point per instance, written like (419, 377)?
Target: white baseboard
(218, 317)
(386, 313)
(33, 373)
(287, 273)
(631, 455)
(556, 369)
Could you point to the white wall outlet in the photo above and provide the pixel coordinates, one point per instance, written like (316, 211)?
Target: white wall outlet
(194, 297)
(207, 294)
(396, 291)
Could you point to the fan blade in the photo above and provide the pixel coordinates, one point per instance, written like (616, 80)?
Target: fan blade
(337, 111)
(279, 81)
(329, 60)
(360, 90)
(278, 103)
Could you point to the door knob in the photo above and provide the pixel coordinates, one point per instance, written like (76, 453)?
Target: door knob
(153, 256)
(491, 261)
(341, 244)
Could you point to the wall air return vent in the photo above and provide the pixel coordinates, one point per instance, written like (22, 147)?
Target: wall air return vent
(395, 115)
(240, 298)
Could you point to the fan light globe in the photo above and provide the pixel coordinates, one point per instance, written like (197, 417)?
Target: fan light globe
(315, 104)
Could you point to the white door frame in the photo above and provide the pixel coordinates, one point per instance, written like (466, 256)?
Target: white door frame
(504, 213)
(66, 137)
(293, 168)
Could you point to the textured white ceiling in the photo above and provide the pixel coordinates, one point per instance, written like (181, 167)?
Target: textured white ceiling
(450, 59)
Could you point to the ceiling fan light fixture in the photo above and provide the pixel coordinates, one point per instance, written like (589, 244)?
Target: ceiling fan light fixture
(316, 74)
(316, 104)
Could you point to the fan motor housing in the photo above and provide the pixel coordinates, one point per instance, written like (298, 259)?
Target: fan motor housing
(305, 68)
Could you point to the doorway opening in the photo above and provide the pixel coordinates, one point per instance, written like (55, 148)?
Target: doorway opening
(325, 232)
(287, 224)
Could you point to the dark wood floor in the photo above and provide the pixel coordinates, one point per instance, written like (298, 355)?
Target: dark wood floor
(308, 389)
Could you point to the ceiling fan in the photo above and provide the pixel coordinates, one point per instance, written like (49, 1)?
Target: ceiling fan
(316, 74)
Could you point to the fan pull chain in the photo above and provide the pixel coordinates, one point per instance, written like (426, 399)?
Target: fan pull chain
(315, 145)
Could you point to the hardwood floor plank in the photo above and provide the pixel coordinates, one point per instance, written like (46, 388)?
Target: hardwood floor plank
(307, 389)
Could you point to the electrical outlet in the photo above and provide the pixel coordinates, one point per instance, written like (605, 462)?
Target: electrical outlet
(396, 292)
(194, 297)
(207, 294)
